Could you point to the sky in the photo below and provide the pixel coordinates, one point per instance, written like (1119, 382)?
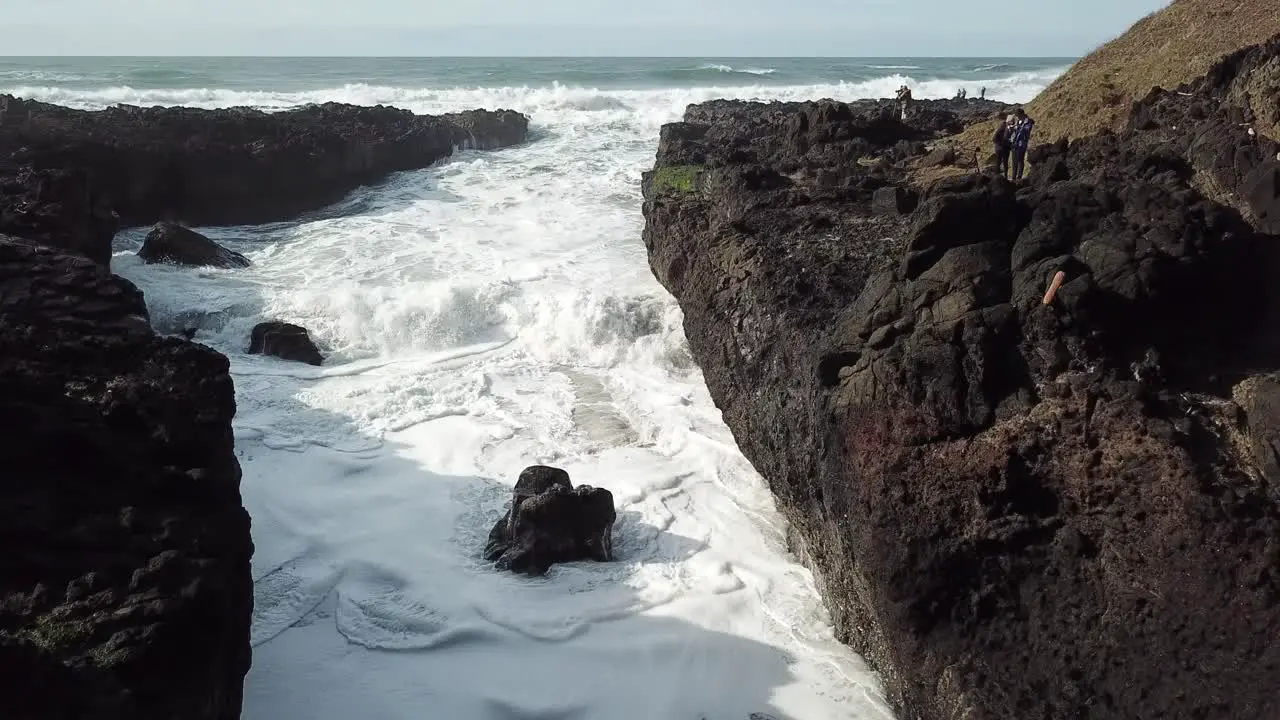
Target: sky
(699, 28)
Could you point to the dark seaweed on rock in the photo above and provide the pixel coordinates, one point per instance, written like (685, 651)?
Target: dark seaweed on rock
(1015, 509)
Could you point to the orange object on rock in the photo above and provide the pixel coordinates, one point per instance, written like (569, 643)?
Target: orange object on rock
(1053, 286)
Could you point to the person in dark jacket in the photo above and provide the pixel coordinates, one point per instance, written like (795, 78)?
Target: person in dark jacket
(1020, 139)
(1001, 141)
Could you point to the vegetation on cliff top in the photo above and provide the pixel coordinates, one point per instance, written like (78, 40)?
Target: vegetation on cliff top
(1165, 49)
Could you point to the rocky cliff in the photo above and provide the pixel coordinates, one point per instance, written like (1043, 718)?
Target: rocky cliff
(125, 590)
(1017, 506)
(239, 165)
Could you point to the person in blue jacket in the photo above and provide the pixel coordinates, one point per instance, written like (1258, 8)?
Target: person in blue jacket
(1019, 140)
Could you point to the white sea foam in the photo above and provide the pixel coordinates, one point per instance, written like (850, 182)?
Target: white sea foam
(730, 69)
(490, 313)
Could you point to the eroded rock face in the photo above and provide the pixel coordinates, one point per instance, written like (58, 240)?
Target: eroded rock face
(550, 522)
(238, 166)
(285, 341)
(57, 208)
(1015, 509)
(172, 243)
(126, 590)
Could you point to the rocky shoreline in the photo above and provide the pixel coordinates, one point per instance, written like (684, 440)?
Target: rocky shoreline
(127, 590)
(236, 166)
(1015, 507)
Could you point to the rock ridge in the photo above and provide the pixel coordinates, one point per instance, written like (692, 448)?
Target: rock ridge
(234, 166)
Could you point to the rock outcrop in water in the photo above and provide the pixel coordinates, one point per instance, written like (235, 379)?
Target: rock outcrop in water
(1015, 509)
(238, 166)
(550, 522)
(172, 243)
(126, 591)
(285, 341)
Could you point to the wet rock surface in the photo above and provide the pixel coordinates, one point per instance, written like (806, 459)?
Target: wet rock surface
(285, 341)
(238, 165)
(550, 522)
(126, 590)
(172, 243)
(1014, 508)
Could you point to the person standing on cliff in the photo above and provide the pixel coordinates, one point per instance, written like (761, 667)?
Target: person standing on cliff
(1020, 140)
(1001, 140)
(904, 101)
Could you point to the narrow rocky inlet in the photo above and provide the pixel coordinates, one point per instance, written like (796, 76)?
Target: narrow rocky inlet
(1018, 507)
(126, 588)
(327, 396)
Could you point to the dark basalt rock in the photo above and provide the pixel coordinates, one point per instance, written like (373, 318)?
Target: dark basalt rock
(1013, 508)
(238, 165)
(126, 590)
(57, 208)
(1262, 193)
(285, 341)
(172, 243)
(550, 522)
(893, 200)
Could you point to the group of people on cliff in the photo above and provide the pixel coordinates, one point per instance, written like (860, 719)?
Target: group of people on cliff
(903, 96)
(1012, 137)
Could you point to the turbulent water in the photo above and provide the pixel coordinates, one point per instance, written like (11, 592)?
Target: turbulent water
(480, 316)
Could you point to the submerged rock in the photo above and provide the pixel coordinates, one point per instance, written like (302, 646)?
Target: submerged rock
(237, 166)
(285, 341)
(172, 243)
(126, 590)
(550, 522)
(1015, 506)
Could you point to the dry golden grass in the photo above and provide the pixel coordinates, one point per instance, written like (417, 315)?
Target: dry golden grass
(1164, 49)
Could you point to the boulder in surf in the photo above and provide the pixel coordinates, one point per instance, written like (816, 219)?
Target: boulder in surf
(550, 522)
(285, 341)
(172, 243)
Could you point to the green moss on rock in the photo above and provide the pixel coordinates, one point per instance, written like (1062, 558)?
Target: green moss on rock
(52, 633)
(679, 178)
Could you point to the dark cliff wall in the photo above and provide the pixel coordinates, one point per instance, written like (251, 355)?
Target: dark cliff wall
(126, 589)
(1016, 509)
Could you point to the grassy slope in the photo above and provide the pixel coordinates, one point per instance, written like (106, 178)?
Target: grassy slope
(1165, 49)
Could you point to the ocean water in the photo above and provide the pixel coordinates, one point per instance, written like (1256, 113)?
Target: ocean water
(479, 316)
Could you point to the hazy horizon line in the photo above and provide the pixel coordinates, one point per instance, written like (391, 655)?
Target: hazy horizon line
(551, 57)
